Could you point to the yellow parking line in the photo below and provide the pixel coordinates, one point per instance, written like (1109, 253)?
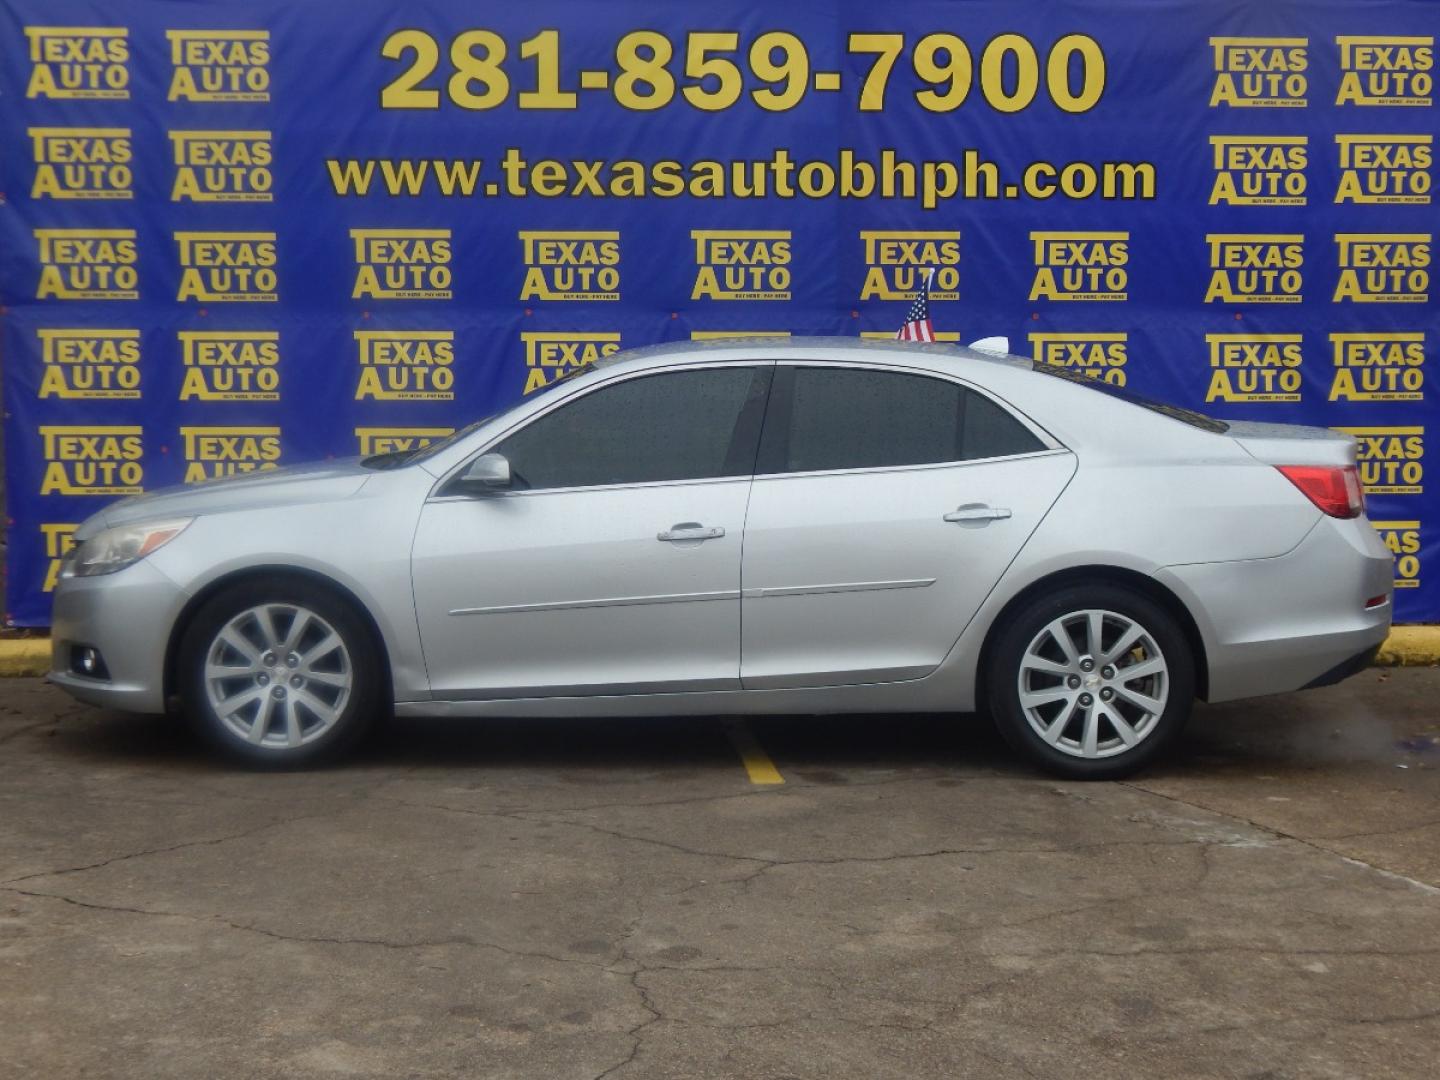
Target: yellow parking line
(27, 657)
(758, 765)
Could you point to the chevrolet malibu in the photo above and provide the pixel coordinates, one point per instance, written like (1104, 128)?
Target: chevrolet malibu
(811, 526)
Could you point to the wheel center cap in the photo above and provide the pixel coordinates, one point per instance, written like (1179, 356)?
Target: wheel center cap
(1091, 681)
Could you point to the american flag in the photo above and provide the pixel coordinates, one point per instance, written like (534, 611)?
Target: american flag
(917, 323)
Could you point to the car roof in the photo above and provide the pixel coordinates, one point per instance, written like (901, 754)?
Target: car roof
(807, 347)
(1070, 412)
(999, 372)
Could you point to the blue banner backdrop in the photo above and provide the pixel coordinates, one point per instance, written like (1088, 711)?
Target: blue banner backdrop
(240, 235)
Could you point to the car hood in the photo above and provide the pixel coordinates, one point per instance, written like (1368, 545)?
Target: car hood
(318, 482)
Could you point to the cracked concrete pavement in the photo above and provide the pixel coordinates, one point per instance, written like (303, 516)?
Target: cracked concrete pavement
(615, 899)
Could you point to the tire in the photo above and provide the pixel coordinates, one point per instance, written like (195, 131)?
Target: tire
(1043, 699)
(301, 691)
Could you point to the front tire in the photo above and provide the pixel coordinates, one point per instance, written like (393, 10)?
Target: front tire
(279, 674)
(1091, 683)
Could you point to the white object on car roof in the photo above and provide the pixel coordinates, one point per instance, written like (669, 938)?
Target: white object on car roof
(992, 345)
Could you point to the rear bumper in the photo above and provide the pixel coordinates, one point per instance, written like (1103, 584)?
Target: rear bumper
(1295, 621)
(1343, 670)
(126, 616)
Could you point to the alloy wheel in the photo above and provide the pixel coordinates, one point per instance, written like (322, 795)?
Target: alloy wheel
(278, 675)
(1093, 683)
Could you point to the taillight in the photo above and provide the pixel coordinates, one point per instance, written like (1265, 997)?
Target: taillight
(1334, 489)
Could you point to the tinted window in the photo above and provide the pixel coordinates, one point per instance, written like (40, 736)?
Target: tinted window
(397, 458)
(990, 431)
(684, 425)
(844, 418)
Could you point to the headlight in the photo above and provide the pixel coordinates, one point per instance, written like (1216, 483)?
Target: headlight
(115, 549)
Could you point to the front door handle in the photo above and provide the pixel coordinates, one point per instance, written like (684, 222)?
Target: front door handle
(978, 512)
(690, 530)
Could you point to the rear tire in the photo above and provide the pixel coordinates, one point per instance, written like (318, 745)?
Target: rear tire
(1093, 682)
(279, 674)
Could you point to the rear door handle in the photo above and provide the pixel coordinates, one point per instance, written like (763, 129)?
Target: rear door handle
(690, 530)
(978, 512)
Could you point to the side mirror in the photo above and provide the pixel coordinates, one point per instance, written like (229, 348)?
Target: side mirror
(488, 472)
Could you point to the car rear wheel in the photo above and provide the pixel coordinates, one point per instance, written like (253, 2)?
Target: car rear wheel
(281, 675)
(1093, 682)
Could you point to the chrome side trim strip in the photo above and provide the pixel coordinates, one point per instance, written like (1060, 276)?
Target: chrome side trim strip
(584, 691)
(610, 601)
(841, 587)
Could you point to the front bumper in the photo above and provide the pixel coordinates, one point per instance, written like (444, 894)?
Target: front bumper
(1297, 620)
(126, 616)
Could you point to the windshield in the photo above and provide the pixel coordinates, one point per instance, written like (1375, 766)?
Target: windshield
(394, 459)
(1175, 412)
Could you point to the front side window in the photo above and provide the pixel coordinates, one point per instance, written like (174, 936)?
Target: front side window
(681, 425)
(848, 418)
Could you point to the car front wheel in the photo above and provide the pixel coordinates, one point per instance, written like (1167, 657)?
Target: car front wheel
(281, 674)
(1093, 682)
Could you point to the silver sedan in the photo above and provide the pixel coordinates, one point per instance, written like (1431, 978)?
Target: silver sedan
(813, 526)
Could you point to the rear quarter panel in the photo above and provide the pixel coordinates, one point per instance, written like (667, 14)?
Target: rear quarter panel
(1148, 492)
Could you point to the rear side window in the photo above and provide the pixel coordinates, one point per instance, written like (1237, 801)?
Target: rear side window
(847, 418)
(683, 425)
